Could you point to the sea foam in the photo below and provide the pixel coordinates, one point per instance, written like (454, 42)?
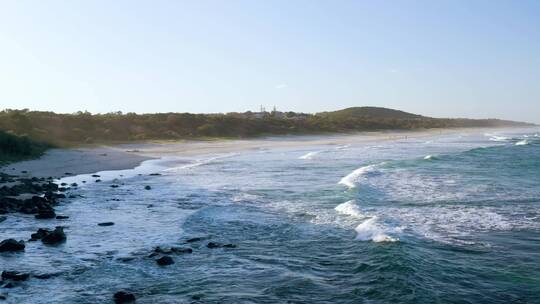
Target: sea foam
(522, 143)
(371, 230)
(353, 177)
(349, 208)
(309, 155)
(499, 138)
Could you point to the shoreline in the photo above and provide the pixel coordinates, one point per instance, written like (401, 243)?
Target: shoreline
(59, 163)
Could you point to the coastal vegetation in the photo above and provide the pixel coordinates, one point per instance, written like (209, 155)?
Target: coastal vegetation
(84, 127)
(14, 148)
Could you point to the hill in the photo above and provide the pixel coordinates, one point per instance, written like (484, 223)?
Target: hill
(370, 112)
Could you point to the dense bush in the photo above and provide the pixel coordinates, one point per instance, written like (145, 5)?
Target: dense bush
(18, 147)
(83, 127)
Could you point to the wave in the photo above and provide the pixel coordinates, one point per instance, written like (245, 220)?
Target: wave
(371, 230)
(353, 177)
(349, 208)
(499, 138)
(430, 157)
(309, 155)
(202, 162)
(522, 142)
(343, 147)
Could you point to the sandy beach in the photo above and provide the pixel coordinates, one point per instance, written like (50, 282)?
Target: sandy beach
(58, 162)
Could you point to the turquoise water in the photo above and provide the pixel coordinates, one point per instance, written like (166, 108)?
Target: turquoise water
(440, 219)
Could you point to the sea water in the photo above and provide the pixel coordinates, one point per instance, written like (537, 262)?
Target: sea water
(439, 219)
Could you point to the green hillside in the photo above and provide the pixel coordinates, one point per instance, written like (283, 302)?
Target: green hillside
(370, 112)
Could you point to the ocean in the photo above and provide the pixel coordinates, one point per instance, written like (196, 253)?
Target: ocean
(449, 218)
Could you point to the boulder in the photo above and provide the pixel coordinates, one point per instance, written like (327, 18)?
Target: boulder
(123, 297)
(164, 261)
(62, 217)
(106, 224)
(11, 245)
(41, 233)
(213, 245)
(14, 276)
(55, 237)
(147, 187)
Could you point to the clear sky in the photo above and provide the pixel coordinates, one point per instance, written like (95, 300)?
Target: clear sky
(438, 58)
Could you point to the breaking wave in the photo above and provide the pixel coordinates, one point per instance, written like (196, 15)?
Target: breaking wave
(372, 230)
(353, 178)
(522, 142)
(349, 208)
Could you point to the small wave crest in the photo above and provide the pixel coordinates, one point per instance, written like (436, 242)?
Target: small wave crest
(349, 208)
(202, 162)
(352, 178)
(309, 155)
(522, 142)
(499, 138)
(430, 157)
(372, 230)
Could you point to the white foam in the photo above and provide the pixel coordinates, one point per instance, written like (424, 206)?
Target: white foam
(429, 157)
(499, 138)
(522, 143)
(371, 230)
(353, 177)
(349, 208)
(202, 162)
(343, 147)
(309, 155)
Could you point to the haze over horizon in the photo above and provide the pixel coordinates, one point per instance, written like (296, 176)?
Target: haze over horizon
(439, 59)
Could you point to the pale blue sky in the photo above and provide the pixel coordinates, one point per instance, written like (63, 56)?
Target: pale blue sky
(438, 58)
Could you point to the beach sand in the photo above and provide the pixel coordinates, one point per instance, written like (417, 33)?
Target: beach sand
(58, 162)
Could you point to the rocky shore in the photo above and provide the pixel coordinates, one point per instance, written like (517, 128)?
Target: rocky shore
(38, 196)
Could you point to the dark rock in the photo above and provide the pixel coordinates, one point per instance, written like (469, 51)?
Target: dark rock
(41, 233)
(164, 261)
(62, 217)
(55, 237)
(2, 218)
(3, 297)
(74, 185)
(95, 175)
(68, 173)
(155, 174)
(24, 171)
(229, 246)
(195, 239)
(123, 297)
(161, 250)
(147, 187)
(106, 224)
(179, 250)
(114, 186)
(63, 184)
(213, 245)
(98, 180)
(15, 276)
(11, 245)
